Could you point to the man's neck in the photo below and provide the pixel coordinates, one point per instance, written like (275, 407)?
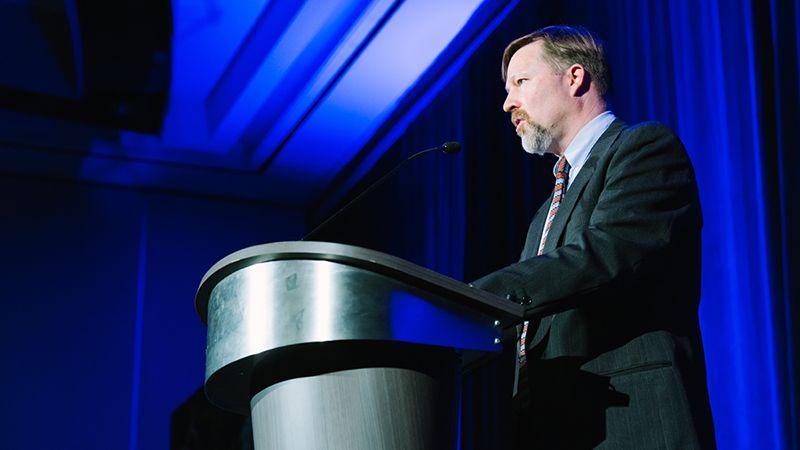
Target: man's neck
(575, 123)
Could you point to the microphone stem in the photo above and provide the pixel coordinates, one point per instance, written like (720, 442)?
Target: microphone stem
(369, 189)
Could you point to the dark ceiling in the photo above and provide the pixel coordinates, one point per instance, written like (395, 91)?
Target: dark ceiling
(279, 101)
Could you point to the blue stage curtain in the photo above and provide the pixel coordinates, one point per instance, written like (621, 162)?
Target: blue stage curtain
(725, 76)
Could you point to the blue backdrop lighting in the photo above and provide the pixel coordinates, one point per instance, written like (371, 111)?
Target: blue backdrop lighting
(723, 74)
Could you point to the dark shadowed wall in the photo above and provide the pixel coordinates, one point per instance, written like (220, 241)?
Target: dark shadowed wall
(99, 334)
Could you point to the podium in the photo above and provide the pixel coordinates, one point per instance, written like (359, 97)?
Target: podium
(330, 346)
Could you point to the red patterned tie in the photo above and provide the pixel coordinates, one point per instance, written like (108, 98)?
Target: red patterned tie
(562, 176)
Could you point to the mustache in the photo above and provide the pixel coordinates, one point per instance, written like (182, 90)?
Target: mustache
(520, 115)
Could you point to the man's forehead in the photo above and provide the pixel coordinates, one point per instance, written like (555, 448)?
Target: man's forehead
(523, 58)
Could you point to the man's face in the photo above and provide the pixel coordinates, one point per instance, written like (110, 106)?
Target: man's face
(536, 99)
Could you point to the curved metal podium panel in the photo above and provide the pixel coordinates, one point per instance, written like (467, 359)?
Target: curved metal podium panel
(281, 303)
(508, 313)
(289, 310)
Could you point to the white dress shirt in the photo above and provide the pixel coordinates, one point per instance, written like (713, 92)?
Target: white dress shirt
(578, 150)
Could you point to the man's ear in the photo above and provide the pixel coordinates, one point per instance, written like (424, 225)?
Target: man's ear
(578, 79)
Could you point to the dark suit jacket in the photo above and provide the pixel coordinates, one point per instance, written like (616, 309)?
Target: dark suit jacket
(614, 351)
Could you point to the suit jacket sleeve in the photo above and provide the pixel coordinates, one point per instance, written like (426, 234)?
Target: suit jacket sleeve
(648, 202)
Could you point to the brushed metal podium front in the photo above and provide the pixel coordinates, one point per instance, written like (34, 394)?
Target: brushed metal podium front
(330, 346)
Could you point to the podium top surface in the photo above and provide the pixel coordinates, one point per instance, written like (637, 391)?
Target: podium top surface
(371, 260)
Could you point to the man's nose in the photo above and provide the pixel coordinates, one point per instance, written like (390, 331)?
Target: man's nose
(510, 104)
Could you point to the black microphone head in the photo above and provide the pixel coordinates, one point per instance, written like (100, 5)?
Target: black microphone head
(451, 147)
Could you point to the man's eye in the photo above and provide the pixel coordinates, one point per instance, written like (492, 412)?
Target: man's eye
(520, 81)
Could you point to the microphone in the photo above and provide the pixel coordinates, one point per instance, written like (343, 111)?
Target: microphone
(449, 148)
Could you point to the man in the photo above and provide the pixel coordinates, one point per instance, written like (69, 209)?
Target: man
(610, 354)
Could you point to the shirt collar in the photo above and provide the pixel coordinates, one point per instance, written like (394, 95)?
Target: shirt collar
(578, 150)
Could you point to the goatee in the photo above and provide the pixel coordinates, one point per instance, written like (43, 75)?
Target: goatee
(536, 139)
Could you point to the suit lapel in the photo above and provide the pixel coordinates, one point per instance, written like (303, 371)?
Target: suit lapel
(535, 232)
(577, 185)
(562, 217)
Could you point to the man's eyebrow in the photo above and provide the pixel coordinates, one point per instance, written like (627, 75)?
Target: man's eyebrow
(511, 78)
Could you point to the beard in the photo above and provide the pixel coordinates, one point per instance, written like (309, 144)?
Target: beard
(536, 139)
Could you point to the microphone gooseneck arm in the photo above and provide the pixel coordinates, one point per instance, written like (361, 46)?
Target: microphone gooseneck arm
(447, 147)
